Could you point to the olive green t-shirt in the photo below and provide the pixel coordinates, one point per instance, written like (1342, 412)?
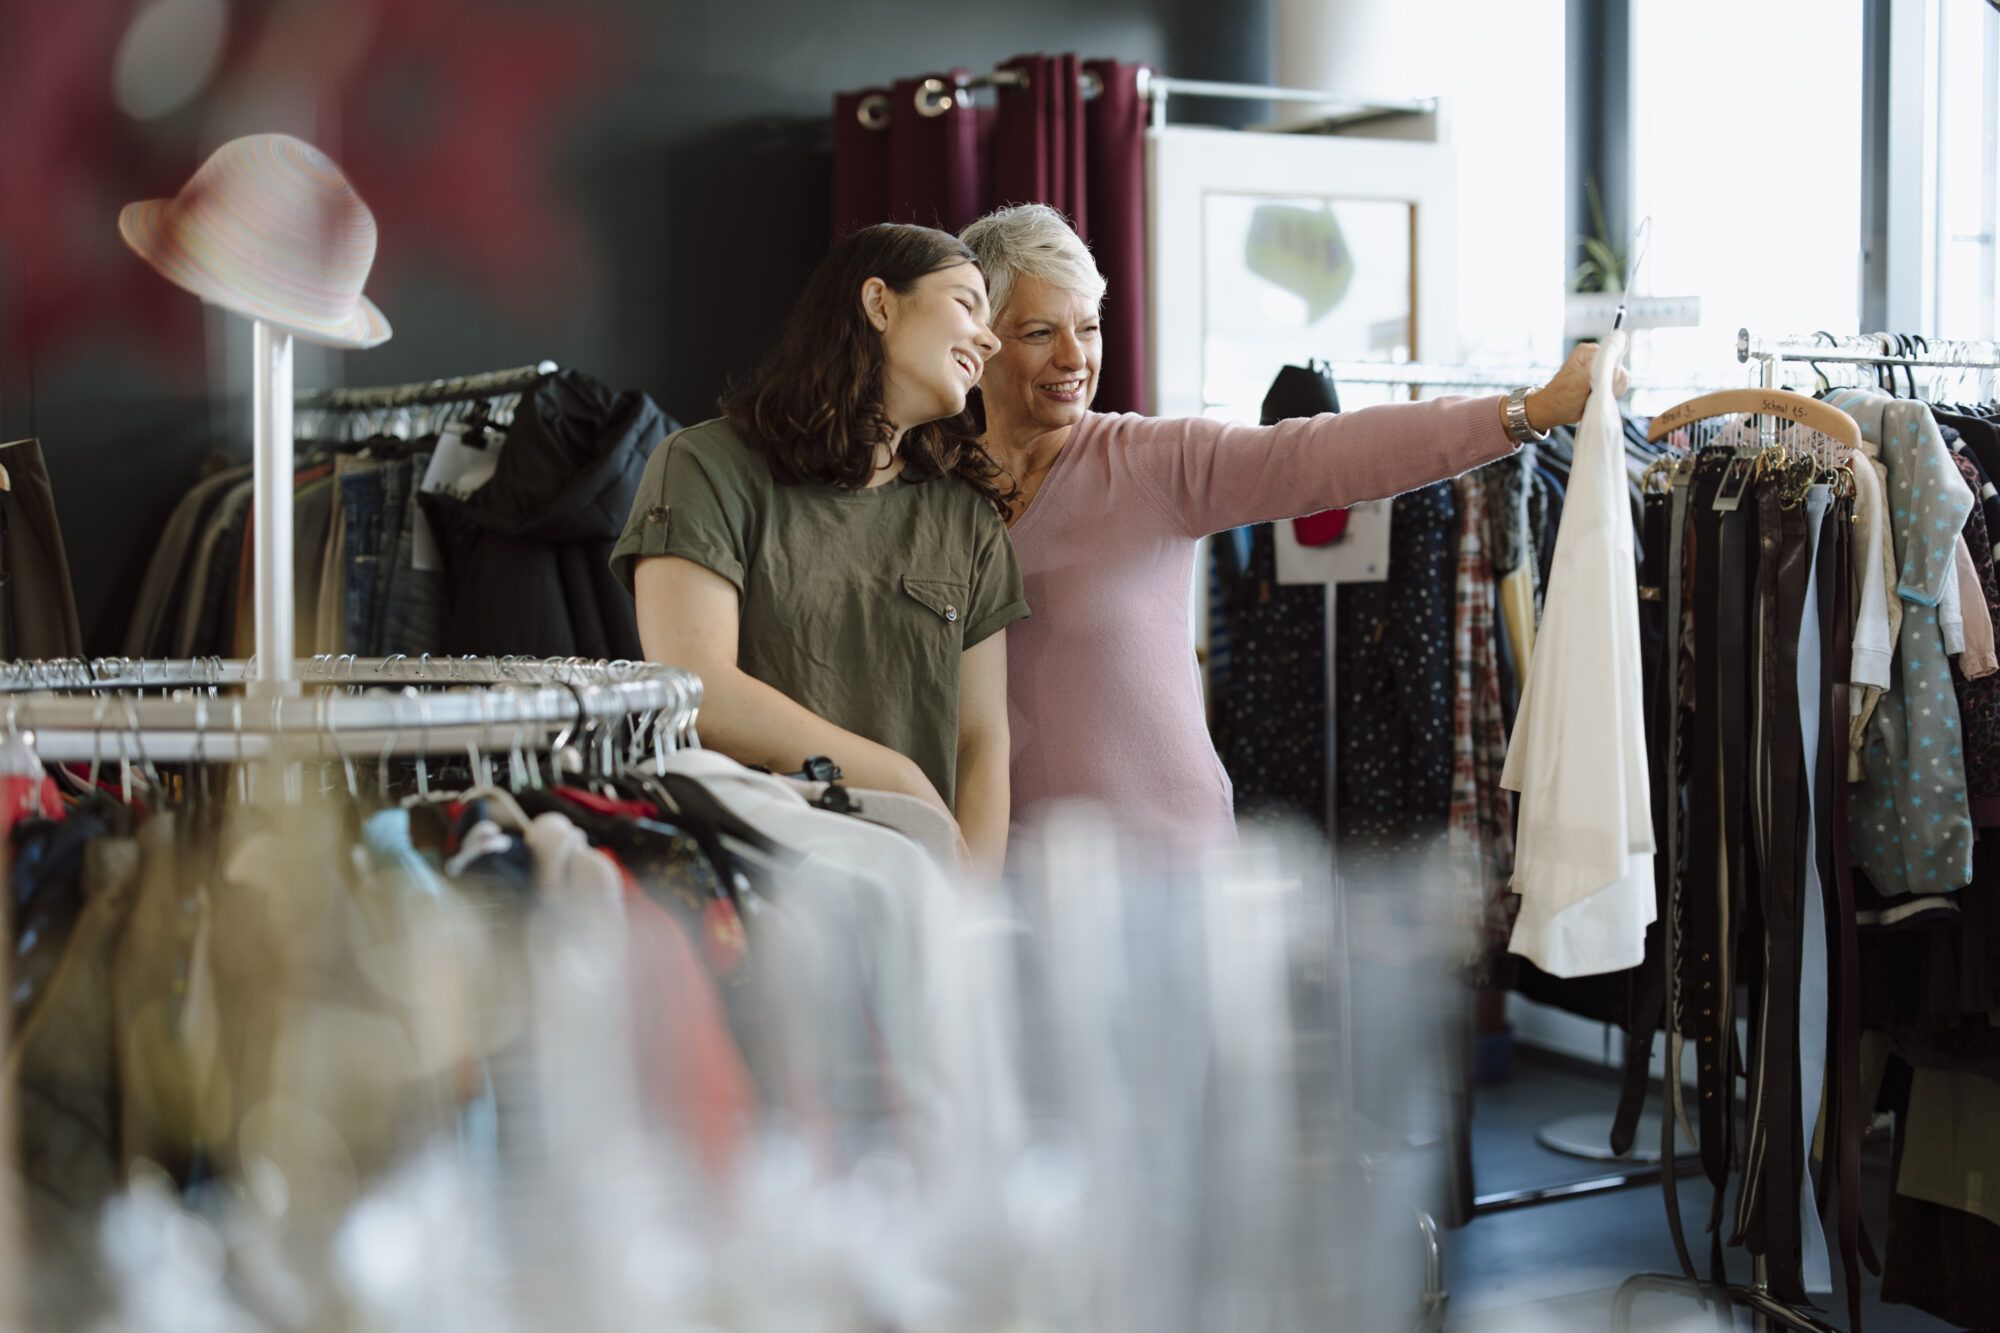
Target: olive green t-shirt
(856, 604)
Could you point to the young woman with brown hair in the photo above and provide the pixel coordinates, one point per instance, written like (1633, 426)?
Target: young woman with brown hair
(829, 555)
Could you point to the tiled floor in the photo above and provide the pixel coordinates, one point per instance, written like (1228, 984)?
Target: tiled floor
(1556, 1266)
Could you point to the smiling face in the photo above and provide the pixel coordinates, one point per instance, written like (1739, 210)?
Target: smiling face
(935, 342)
(1051, 347)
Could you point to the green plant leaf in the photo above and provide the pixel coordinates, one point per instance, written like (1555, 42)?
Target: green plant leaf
(1603, 267)
(1607, 260)
(1597, 222)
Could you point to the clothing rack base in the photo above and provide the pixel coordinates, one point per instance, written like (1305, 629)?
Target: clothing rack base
(1769, 1310)
(1506, 1201)
(1430, 1311)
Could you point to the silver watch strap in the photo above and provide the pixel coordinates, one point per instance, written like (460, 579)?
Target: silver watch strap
(1518, 429)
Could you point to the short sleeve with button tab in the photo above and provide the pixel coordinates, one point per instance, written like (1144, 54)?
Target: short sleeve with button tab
(696, 500)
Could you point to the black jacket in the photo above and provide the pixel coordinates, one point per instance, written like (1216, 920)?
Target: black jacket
(527, 555)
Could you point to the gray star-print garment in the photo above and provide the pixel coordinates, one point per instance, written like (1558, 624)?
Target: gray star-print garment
(1909, 826)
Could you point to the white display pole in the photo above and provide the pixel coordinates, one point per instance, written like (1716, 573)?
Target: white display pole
(272, 510)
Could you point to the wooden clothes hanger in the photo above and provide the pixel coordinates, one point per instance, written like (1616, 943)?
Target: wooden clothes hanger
(1798, 408)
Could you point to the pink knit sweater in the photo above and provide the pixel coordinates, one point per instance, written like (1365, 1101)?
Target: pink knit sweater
(1104, 698)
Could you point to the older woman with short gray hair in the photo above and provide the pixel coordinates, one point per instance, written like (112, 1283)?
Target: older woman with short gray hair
(1104, 700)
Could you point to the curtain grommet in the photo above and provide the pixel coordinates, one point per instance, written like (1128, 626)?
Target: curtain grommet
(934, 98)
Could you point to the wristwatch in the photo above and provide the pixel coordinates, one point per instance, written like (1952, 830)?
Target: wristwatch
(1515, 412)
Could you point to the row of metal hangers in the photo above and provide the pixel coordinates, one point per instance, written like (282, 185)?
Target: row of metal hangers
(474, 403)
(1801, 440)
(589, 749)
(542, 718)
(1907, 352)
(1777, 435)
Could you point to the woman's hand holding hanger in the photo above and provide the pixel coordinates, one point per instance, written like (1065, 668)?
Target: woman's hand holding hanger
(1560, 401)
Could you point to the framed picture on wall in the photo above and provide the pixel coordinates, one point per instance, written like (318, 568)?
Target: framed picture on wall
(1295, 277)
(1276, 249)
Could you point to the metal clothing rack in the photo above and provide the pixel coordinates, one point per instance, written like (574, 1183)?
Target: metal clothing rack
(1765, 1309)
(1880, 349)
(411, 410)
(1424, 374)
(333, 669)
(273, 404)
(1444, 375)
(1874, 349)
(486, 385)
(1158, 90)
(935, 96)
(177, 711)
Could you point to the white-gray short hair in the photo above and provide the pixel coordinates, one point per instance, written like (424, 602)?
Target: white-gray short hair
(1032, 239)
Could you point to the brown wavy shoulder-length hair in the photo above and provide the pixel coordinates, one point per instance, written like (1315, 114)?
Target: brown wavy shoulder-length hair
(815, 406)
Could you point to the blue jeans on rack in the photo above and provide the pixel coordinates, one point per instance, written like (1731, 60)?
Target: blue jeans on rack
(361, 552)
(396, 484)
(412, 598)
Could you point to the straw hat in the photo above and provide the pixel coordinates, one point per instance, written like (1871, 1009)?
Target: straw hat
(269, 228)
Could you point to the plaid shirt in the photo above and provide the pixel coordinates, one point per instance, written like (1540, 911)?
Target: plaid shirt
(1482, 817)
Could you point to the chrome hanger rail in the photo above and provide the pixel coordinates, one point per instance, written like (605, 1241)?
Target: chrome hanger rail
(490, 384)
(200, 709)
(937, 95)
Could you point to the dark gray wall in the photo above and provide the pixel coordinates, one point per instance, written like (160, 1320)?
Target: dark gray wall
(700, 182)
(1599, 121)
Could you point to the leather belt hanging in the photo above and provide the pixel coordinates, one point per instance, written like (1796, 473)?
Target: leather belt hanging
(1782, 574)
(1669, 789)
(1715, 974)
(1846, 1116)
(1700, 970)
(1749, 1227)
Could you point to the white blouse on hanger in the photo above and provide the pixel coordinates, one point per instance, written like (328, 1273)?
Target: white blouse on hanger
(1583, 861)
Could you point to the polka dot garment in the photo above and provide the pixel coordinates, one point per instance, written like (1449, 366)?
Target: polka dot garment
(1395, 682)
(1270, 725)
(1909, 825)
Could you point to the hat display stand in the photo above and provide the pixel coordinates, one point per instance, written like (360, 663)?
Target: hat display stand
(269, 228)
(271, 540)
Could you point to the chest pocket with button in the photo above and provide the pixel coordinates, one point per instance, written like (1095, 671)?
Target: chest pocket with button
(942, 598)
(937, 611)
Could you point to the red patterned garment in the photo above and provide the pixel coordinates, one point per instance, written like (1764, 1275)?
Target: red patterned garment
(1482, 818)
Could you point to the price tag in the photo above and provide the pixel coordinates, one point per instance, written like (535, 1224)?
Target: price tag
(1361, 555)
(457, 468)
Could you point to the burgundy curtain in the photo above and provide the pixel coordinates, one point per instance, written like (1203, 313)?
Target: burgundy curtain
(901, 156)
(907, 153)
(860, 159)
(1038, 145)
(1115, 190)
(934, 167)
